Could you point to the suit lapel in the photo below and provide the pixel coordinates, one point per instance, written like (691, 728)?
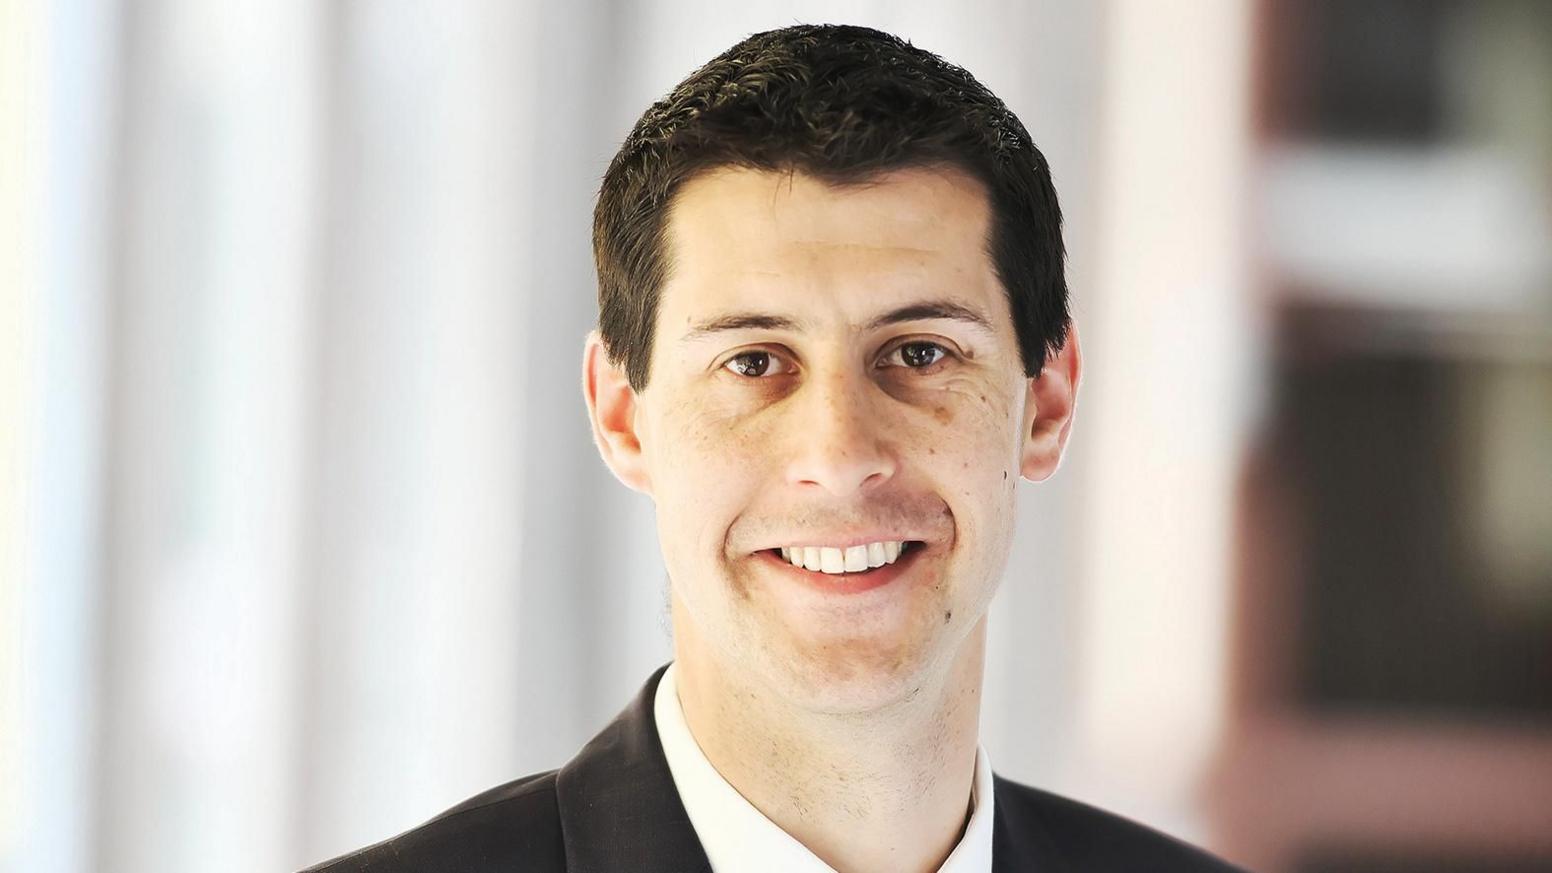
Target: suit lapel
(1020, 845)
(619, 809)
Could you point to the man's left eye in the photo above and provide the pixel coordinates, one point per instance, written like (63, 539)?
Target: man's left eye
(918, 354)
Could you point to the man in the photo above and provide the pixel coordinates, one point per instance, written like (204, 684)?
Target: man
(833, 337)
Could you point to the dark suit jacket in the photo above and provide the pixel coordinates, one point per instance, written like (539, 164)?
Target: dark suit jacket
(614, 808)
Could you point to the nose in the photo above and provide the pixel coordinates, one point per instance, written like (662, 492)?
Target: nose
(841, 443)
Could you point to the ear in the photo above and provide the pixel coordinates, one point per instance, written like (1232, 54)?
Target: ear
(1049, 409)
(612, 407)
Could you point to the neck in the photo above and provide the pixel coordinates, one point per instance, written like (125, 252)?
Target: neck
(887, 790)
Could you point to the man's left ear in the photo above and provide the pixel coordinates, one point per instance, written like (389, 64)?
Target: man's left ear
(1049, 408)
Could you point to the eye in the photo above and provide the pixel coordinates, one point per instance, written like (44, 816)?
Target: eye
(753, 365)
(919, 355)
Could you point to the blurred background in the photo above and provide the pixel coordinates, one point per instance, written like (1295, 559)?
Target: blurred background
(304, 538)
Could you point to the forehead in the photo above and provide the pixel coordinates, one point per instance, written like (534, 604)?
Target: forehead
(743, 238)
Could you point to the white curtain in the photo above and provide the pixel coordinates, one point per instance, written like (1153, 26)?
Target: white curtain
(317, 539)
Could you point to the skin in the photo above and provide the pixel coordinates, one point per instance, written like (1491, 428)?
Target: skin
(851, 721)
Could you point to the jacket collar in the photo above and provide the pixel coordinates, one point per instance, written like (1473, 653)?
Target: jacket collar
(1020, 842)
(619, 809)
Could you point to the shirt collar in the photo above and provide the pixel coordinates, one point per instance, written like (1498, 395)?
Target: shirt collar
(736, 836)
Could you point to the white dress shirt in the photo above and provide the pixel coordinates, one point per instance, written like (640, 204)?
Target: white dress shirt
(739, 838)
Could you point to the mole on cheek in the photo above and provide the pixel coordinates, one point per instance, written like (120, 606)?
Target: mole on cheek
(943, 414)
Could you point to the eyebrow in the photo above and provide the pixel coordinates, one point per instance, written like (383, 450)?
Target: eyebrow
(926, 310)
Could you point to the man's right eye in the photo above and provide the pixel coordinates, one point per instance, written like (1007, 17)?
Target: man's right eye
(753, 365)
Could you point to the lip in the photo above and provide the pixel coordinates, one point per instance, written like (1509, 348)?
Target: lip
(850, 583)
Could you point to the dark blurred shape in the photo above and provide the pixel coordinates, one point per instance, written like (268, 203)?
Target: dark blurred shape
(1420, 457)
(1374, 70)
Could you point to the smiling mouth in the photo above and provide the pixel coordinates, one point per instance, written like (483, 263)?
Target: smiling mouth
(907, 549)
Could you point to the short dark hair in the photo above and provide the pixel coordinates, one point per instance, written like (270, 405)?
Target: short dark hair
(844, 104)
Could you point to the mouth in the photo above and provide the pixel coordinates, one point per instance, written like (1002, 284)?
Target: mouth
(853, 582)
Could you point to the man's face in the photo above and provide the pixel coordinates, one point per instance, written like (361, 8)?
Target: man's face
(838, 427)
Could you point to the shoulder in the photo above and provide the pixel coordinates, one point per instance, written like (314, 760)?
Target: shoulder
(515, 826)
(1089, 838)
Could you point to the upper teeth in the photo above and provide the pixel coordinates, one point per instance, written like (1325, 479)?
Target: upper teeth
(828, 559)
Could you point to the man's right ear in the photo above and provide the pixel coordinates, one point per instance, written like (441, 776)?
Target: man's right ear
(611, 404)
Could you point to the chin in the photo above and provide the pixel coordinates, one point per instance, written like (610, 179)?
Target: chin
(854, 677)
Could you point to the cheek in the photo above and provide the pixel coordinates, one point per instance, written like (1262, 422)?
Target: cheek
(712, 439)
(706, 463)
(972, 431)
(972, 447)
